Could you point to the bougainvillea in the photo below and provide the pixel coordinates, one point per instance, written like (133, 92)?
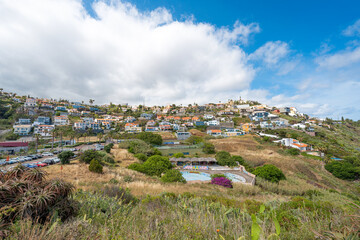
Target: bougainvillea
(222, 181)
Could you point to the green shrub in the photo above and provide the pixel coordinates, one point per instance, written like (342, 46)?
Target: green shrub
(89, 155)
(156, 165)
(194, 140)
(173, 175)
(137, 167)
(95, 166)
(12, 136)
(343, 170)
(270, 173)
(157, 152)
(217, 175)
(293, 151)
(153, 166)
(109, 159)
(150, 138)
(224, 159)
(242, 162)
(65, 157)
(179, 155)
(139, 146)
(119, 193)
(108, 147)
(128, 179)
(142, 157)
(208, 148)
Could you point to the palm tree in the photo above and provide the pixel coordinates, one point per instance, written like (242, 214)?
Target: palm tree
(53, 134)
(91, 101)
(37, 137)
(100, 136)
(89, 131)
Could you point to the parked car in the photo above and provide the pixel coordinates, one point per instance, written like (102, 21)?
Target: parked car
(99, 147)
(41, 164)
(56, 160)
(34, 156)
(47, 154)
(49, 161)
(28, 158)
(29, 165)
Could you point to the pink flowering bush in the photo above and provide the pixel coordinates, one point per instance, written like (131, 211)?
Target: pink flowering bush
(222, 181)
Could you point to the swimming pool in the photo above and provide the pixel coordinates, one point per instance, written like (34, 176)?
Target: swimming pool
(196, 176)
(201, 176)
(235, 178)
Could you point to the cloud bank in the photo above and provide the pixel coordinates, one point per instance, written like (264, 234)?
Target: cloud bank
(51, 48)
(55, 49)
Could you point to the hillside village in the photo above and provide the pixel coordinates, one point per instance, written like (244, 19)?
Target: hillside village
(233, 118)
(236, 159)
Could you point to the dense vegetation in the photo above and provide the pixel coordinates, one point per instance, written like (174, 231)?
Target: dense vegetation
(269, 172)
(65, 157)
(153, 166)
(173, 175)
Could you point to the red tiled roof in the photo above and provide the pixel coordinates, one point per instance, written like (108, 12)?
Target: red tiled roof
(14, 144)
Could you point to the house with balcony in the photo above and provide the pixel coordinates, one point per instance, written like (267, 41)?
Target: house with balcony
(232, 132)
(61, 120)
(22, 130)
(214, 132)
(213, 123)
(42, 121)
(293, 143)
(165, 126)
(24, 121)
(132, 128)
(259, 116)
(30, 102)
(82, 126)
(44, 130)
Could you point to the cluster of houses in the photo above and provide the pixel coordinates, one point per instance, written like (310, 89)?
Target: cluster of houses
(216, 119)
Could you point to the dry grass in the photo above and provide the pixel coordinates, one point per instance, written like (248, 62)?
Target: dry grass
(122, 156)
(196, 132)
(167, 135)
(303, 171)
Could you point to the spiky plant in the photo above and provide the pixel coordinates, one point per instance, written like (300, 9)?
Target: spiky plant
(60, 187)
(15, 173)
(26, 195)
(34, 175)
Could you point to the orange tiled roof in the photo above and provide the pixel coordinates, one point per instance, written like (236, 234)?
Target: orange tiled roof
(302, 145)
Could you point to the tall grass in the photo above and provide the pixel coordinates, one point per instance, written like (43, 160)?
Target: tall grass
(171, 216)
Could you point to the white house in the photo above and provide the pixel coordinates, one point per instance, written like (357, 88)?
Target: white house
(22, 130)
(61, 120)
(30, 102)
(44, 130)
(212, 123)
(289, 142)
(299, 126)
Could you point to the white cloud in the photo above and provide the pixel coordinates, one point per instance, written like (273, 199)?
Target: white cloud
(271, 52)
(339, 59)
(352, 30)
(55, 49)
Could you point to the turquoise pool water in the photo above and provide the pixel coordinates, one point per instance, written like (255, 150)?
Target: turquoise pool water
(196, 176)
(206, 177)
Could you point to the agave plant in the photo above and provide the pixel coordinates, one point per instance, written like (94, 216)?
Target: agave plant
(15, 173)
(34, 175)
(25, 194)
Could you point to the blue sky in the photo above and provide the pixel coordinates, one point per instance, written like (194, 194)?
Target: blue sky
(283, 53)
(307, 26)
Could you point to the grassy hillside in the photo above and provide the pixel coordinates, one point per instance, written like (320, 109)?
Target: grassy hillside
(124, 204)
